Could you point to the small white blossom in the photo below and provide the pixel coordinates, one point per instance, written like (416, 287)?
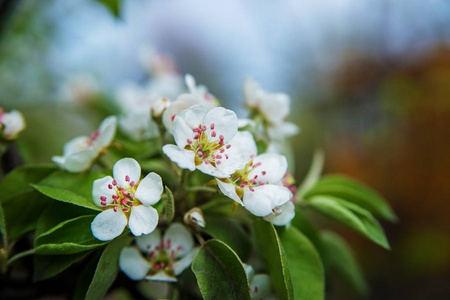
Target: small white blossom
(160, 259)
(80, 152)
(11, 123)
(274, 109)
(255, 186)
(209, 141)
(126, 200)
(260, 286)
(198, 95)
(282, 215)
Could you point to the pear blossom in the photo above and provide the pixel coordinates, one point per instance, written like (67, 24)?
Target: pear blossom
(80, 152)
(11, 123)
(198, 95)
(209, 141)
(160, 259)
(260, 286)
(126, 201)
(256, 185)
(282, 215)
(274, 109)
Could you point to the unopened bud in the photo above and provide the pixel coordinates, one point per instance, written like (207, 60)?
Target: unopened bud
(159, 107)
(195, 218)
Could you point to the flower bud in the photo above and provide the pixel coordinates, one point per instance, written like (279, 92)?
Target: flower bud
(159, 107)
(195, 218)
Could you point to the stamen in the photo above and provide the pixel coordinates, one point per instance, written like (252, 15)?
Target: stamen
(251, 189)
(263, 172)
(221, 137)
(228, 146)
(218, 162)
(189, 141)
(261, 183)
(115, 208)
(213, 134)
(212, 126)
(127, 178)
(207, 161)
(103, 198)
(132, 183)
(203, 128)
(200, 146)
(196, 137)
(114, 182)
(110, 186)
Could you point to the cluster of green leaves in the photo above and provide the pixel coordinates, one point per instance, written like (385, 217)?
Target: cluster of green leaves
(57, 208)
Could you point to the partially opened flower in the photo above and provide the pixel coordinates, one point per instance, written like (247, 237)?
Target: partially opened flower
(209, 141)
(157, 258)
(260, 287)
(256, 185)
(272, 107)
(126, 201)
(11, 123)
(80, 152)
(282, 215)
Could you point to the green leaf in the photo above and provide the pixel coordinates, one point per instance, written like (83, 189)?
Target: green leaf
(350, 215)
(341, 261)
(220, 273)
(107, 268)
(22, 212)
(231, 233)
(169, 206)
(114, 6)
(69, 237)
(3, 231)
(47, 266)
(66, 196)
(313, 174)
(18, 181)
(160, 166)
(353, 191)
(304, 265)
(273, 255)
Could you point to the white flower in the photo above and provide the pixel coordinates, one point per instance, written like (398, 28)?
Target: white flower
(274, 108)
(255, 186)
(11, 124)
(126, 200)
(80, 152)
(282, 215)
(164, 258)
(138, 126)
(260, 287)
(209, 141)
(198, 96)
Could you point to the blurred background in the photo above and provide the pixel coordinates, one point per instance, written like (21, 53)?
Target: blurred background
(369, 83)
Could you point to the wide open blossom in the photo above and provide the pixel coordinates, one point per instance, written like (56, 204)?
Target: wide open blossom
(80, 152)
(209, 141)
(273, 108)
(11, 124)
(157, 258)
(198, 95)
(256, 185)
(126, 201)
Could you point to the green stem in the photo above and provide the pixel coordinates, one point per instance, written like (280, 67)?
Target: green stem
(20, 255)
(208, 189)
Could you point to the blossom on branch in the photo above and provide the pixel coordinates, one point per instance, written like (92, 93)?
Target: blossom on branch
(11, 123)
(159, 258)
(80, 152)
(126, 201)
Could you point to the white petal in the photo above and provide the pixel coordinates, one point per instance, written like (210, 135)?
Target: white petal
(100, 188)
(161, 276)
(185, 262)
(224, 120)
(150, 189)
(274, 165)
(108, 224)
(265, 198)
(183, 101)
(249, 271)
(213, 171)
(182, 132)
(148, 242)
(262, 282)
(138, 126)
(180, 238)
(76, 145)
(183, 158)
(193, 116)
(243, 146)
(133, 264)
(14, 123)
(283, 130)
(126, 167)
(107, 131)
(190, 82)
(284, 215)
(275, 107)
(229, 190)
(76, 162)
(143, 220)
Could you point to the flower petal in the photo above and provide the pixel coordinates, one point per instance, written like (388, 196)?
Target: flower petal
(229, 190)
(243, 146)
(100, 188)
(143, 220)
(282, 215)
(211, 170)
(180, 239)
(126, 167)
(264, 198)
(133, 264)
(108, 224)
(272, 169)
(150, 189)
(192, 116)
(14, 123)
(148, 242)
(224, 120)
(76, 145)
(185, 262)
(76, 162)
(183, 101)
(260, 286)
(183, 158)
(107, 131)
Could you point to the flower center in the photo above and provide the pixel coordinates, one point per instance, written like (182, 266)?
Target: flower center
(124, 198)
(242, 179)
(163, 257)
(209, 148)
